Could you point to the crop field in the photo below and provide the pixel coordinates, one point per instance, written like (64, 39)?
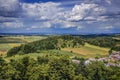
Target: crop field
(89, 51)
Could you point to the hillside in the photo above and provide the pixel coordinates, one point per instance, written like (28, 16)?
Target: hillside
(76, 46)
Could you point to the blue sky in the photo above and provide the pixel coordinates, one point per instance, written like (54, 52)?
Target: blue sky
(60, 16)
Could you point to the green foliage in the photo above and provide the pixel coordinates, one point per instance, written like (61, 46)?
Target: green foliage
(27, 48)
(43, 59)
(117, 48)
(13, 51)
(102, 41)
(79, 77)
(110, 51)
(39, 72)
(98, 71)
(61, 69)
(55, 68)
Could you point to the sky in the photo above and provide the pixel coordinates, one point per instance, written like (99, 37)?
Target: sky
(60, 16)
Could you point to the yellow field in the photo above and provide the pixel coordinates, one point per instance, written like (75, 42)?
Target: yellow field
(89, 51)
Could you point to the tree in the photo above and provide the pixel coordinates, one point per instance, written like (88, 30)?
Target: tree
(98, 71)
(61, 69)
(39, 72)
(110, 51)
(13, 51)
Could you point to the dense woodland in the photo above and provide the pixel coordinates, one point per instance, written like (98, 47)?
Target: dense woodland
(56, 68)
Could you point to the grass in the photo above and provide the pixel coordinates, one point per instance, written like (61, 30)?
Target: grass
(88, 51)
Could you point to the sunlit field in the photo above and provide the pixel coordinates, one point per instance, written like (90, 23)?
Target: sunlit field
(89, 51)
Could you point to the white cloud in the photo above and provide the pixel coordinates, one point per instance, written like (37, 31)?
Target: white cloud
(107, 27)
(40, 25)
(12, 25)
(41, 11)
(80, 12)
(58, 17)
(9, 5)
(109, 1)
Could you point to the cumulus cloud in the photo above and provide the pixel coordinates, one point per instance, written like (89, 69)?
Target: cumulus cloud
(41, 11)
(85, 11)
(68, 15)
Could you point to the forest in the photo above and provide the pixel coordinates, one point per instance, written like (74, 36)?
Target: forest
(56, 68)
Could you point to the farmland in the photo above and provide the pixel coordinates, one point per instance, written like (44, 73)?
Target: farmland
(86, 51)
(8, 42)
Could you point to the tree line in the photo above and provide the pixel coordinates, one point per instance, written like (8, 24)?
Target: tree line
(107, 42)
